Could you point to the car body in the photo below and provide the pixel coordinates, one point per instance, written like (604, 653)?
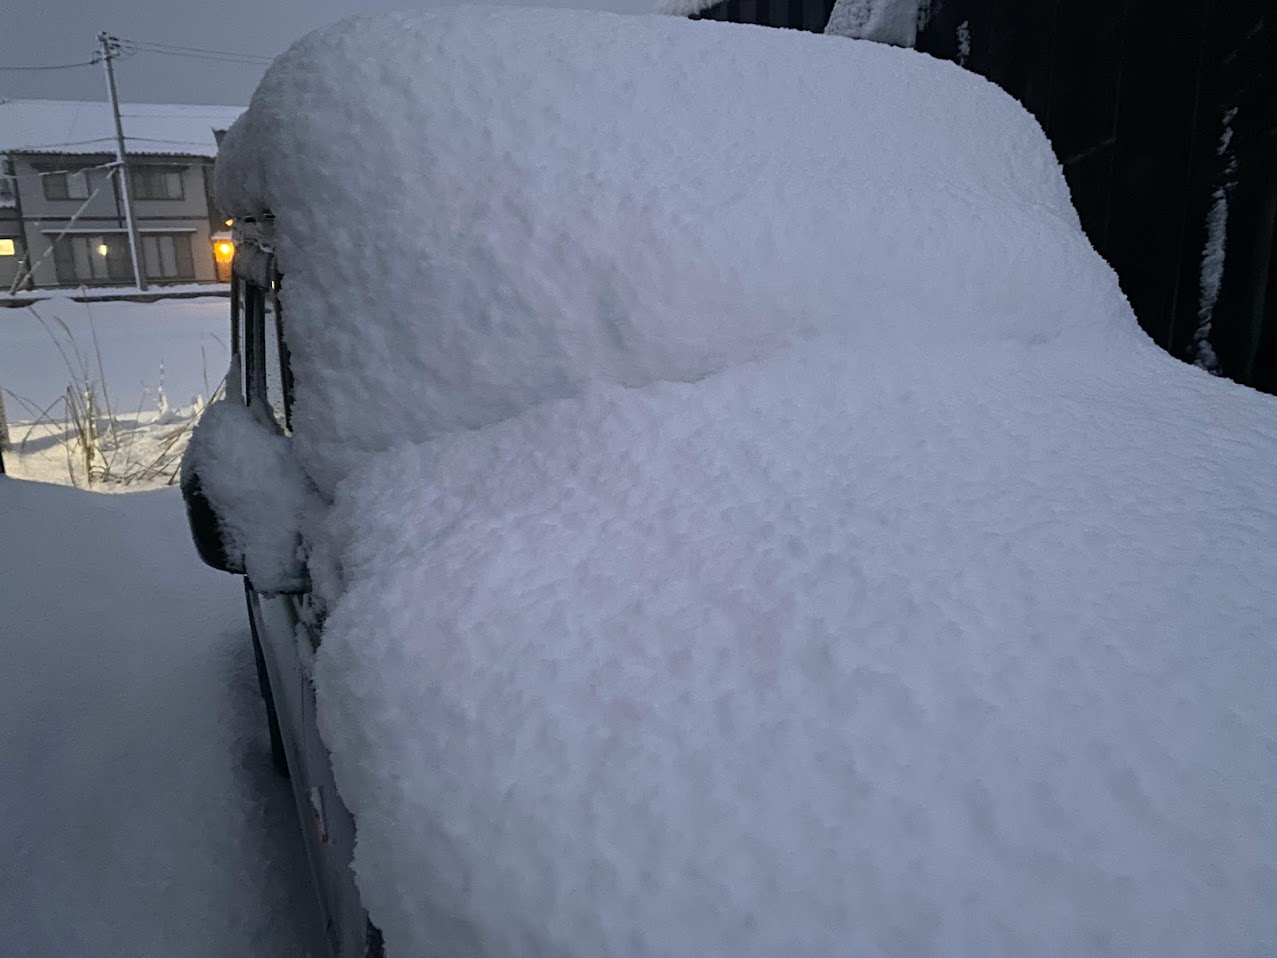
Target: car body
(284, 624)
(691, 518)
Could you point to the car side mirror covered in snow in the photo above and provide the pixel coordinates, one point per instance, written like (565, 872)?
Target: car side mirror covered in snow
(206, 527)
(245, 495)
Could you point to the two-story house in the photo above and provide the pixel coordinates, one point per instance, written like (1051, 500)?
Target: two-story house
(62, 214)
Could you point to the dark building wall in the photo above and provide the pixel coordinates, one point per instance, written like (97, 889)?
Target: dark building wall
(1138, 97)
(1157, 110)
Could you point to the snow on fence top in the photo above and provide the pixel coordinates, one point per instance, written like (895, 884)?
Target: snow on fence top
(477, 210)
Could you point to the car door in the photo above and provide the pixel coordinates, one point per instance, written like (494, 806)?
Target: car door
(288, 632)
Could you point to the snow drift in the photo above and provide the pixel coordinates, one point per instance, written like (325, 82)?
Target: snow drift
(778, 538)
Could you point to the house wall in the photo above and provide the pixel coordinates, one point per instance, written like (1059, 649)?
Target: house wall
(44, 218)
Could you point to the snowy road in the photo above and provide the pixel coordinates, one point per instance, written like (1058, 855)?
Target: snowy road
(139, 815)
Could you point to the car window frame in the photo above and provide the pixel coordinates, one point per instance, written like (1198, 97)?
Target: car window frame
(252, 302)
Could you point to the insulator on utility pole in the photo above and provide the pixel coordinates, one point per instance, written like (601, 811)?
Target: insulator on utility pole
(110, 49)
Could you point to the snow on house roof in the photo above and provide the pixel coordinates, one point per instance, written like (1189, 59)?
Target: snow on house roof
(79, 126)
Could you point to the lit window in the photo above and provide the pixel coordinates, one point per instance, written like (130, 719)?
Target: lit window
(8, 248)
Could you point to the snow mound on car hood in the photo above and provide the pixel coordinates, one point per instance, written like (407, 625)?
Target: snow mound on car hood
(479, 209)
(812, 658)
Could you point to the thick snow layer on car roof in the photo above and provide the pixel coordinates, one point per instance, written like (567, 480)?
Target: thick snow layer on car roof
(481, 209)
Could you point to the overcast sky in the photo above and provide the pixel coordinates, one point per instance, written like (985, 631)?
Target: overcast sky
(52, 32)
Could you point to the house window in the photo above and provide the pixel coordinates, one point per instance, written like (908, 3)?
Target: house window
(65, 185)
(8, 247)
(158, 183)
(87, 258)
(167, 256)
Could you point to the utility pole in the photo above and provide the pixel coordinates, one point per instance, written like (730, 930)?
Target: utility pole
(110, 49)
(4, 432)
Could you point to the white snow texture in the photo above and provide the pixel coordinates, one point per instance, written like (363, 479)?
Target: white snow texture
(256, 488)
(564, 216)
(139, 813)
(758, 526)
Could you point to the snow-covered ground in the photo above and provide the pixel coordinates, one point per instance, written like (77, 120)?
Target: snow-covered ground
(149, 367)
(115, 292)
(139, 811)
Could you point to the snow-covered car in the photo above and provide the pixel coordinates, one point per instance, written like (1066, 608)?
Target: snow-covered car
(701, 494)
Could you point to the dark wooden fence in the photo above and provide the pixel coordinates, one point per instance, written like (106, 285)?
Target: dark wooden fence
(1164, 116)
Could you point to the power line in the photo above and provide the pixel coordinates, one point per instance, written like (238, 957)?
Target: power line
(175, 46)
(246, 61)
(45, 147)
(196, 53)
(189, 111)
(59, 66)
(48, 147)
(152, 139)
(82, 169)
